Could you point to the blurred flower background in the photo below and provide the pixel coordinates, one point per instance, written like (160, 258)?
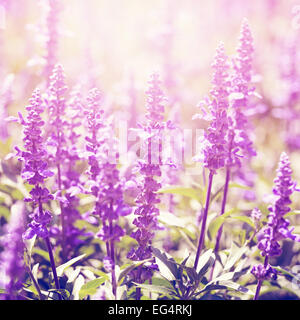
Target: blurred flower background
(115, 45)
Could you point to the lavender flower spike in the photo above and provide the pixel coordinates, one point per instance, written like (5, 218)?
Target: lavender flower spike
(238, 127)
(215, 150)
(106, 183)
(12, 267)
(35, 169)
(35, 172)
(277, 228)
(241, 89)
(57, 139)
(214, 153)
(149, 168)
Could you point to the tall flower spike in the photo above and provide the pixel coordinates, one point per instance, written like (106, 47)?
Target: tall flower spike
(238, 126)
(241, 90)
(12, 266)
(149, 168)
(277, 228)
(56, 106)
(215, 146)
(94, 118)
(57, 139)
(155, 99)
(107, 186)
(70, 175)
(35, 172)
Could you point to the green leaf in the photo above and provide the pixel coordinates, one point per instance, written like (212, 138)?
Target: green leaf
(214, 226)
(183, 191)
(17, 194)
(224, 277)
(167, 266)
(217, 222)
(155, 289)
(161, 282)
(235, 254)
(239, 186)
(286, 272)
(5, 146)
(4, 212)
(42, 253)
(32, 289)
(129, 268)
(61, 268)
(292, 213)
(188, 235)
(170, 219)
(192, 274)
(78, 283)
(35, 270)
(29, 244)
(227, 285)
(205, 261)
(245, 219)
(72, 274)
(90, 287)
(97, 272)
(81, 224)
(5, 188)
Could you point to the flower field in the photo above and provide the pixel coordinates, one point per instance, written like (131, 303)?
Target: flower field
(149, 150)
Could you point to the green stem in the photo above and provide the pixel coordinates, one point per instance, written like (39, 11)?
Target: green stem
(219, 235)
(36, 285)
(203, 227)
(52, 262)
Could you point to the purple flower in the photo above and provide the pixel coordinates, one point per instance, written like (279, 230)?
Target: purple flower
(12, 265)
(217, 142)
(35, 166)
(38, 225)
(56, 142)
(155, 99)
(35, 170)
(57, 108)
(277, 228)
(94, 119)
(39, 194)
(264, 273)
(214, 153)
(241, 90)
(256, 214)
(63, 136)
(106, 183)
(149, 168)
(70, 175)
